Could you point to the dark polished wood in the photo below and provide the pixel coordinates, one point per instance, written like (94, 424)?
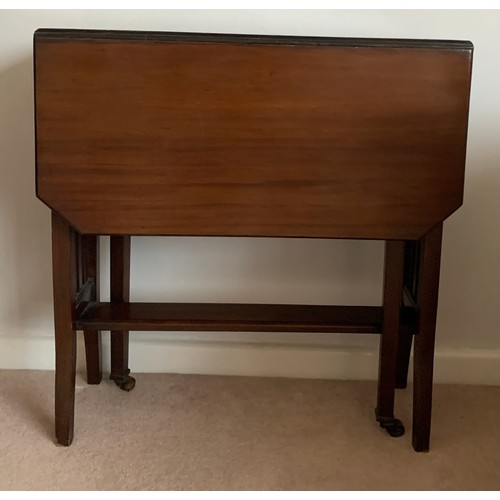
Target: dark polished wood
(93, 347)
(56, 34)
(237, 135)
(403, 356)
(392, 297)
(120, 293)
(65, 284)
(410, 289)
(236, 317)
(423, 365)
(222, 136)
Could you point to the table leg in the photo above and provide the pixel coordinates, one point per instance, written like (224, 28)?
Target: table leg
(423, 357)
(64, 269)
(410, 282)
(403, 358)
(90, 250)
(393, 292)
(120, 292)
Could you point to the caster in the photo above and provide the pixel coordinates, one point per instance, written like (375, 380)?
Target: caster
(126, 383)
(393, 426)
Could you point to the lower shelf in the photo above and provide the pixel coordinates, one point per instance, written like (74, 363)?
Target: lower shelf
(232, 317)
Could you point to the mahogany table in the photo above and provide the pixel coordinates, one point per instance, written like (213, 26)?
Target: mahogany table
(184, 134)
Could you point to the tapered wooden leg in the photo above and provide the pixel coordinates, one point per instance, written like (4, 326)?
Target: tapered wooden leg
(120, 292)
(423, 357)
(64, 283)
(90, 251)
(403, 358)
(393, 291)
(410, 284)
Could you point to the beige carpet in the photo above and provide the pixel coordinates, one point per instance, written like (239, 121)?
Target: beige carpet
(184, 432)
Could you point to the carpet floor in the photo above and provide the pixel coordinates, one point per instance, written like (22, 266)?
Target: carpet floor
(191, 432)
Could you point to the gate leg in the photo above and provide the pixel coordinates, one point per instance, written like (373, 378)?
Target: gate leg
(90, 244)
(393, 292)
(120, 292)
(410, 283)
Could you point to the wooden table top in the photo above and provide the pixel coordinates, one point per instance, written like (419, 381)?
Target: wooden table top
(227, 135)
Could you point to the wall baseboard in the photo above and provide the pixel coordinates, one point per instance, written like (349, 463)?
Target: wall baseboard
(452, 366)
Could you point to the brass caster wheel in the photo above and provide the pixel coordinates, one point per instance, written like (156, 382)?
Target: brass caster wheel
(126, 383)
(393, 426)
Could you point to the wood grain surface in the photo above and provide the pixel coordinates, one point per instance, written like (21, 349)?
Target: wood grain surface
(143, 316)
(216, 135)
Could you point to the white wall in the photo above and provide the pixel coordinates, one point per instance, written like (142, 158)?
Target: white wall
(259, 270)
